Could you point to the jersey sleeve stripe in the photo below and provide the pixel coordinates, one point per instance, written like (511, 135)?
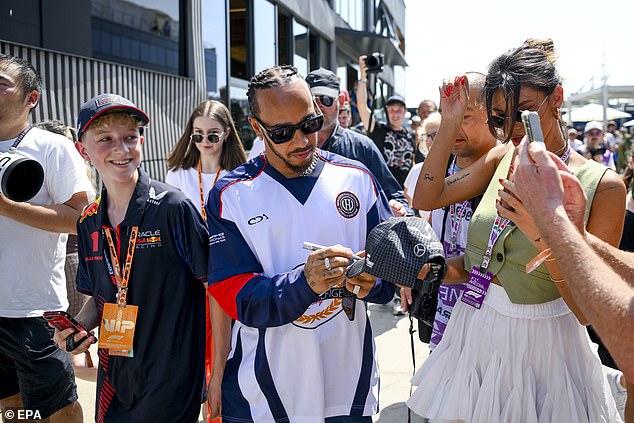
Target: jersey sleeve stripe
(226, 291)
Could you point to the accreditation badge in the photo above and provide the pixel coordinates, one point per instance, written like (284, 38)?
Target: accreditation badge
(117, 329)
(476, 287)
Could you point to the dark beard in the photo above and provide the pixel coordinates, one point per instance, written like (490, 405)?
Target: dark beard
(297, 169)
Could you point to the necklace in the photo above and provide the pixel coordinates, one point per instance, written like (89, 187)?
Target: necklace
(200, 185)
(310, 167)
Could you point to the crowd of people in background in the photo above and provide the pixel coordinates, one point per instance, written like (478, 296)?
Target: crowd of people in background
(211, 269)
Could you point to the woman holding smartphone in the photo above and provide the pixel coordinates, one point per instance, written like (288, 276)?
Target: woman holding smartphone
(514, 348)
(208, 148)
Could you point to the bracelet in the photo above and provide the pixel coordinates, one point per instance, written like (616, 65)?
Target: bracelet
(556, 281)
(363, 80)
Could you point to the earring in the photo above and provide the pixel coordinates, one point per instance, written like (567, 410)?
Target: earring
(556, 114)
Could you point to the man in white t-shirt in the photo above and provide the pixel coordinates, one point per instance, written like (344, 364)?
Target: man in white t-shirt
(34, 373)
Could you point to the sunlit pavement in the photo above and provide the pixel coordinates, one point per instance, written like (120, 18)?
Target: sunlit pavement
(391, 334)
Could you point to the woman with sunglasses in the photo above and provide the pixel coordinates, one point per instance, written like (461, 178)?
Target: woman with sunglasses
(513, 350)
(208, 148)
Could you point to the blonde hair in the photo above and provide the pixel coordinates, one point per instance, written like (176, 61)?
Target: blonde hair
(119, 117)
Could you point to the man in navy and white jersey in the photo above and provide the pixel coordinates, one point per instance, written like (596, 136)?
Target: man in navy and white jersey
(295, 355)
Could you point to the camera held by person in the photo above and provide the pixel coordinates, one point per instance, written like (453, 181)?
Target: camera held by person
(375, 62)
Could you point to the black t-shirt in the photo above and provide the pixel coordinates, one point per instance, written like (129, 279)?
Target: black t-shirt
(398, 149)
(165, 378)
(627, 240)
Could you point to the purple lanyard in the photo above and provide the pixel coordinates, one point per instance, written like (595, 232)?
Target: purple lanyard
(20, 137)
(460, 211)
(564, 157)
(496, 230)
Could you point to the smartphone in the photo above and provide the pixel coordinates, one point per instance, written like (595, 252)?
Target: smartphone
(349, 303)
(62, 320)
(532, 126)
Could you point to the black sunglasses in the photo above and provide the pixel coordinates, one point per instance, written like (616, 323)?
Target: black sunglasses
(212, 138)
(498, 121)
(326, 100)
(283, 134)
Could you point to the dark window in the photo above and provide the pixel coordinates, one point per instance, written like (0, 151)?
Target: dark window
(314, 51)
(20, 22)
(240, 34)
(152, 31)
(284, 36)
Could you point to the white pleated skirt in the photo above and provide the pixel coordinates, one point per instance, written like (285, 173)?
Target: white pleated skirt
(513, 363)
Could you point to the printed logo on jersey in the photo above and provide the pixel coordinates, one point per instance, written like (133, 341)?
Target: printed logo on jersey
(347, 204)
(324, 309)
(217, 238)
(257, 219)
(155, 198)
(149, 239)
(90, 210)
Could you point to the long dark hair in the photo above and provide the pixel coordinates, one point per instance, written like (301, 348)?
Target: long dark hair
(185, 155)
(531, 64)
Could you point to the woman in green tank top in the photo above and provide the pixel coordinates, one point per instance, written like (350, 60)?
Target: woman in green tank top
(513, 349)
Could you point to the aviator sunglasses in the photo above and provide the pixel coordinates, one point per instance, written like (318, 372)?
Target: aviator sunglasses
(285, 133)
(212, 138)
(498, 121)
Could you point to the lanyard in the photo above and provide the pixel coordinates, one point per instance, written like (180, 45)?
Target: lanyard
(122, 280)
(20, 137)
(496, 230)
(202, 191)
(459, 211)
(564, 157)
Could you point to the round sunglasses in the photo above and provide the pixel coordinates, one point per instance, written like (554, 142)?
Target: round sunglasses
(326, 100)
(212, 138)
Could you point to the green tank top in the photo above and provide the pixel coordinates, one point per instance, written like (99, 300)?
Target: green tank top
(513, 250)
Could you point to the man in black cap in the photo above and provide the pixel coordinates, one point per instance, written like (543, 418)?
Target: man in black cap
(325, 88)
(396, 142)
